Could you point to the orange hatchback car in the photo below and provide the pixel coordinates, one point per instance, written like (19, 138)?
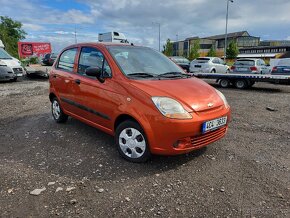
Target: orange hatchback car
(138, 95)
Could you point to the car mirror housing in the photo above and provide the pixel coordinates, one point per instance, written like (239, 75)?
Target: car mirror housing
(94, 71)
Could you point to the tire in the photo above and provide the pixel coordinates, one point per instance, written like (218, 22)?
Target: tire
(241, 84)
(57, 113)
(228, 71)
(224, 83)
(14, 79)
(213, 71)
(131, 142)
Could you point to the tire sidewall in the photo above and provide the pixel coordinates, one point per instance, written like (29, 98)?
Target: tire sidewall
(132, 124)
(63, 117)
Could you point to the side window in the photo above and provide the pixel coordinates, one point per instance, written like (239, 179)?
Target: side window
(92, 57)
(258, 62)
(262, 63)
(67, 59)
(215, 61)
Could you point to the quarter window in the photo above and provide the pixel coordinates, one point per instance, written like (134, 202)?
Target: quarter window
(67, 59)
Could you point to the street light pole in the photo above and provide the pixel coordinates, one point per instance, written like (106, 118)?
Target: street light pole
(159, 38)
(226, 35)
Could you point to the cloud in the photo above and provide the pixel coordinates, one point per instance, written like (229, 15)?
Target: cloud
(33, 27)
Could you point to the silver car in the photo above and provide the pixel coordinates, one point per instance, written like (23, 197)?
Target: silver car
(250, 66)
(209, 65)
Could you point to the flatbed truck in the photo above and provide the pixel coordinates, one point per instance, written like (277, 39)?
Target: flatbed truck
(243, 81)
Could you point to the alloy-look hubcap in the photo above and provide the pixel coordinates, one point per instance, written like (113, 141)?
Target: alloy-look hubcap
(56, 110)
(132, 143)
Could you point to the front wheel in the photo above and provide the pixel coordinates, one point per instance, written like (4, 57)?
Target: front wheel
(58, 115)
(241, 84)
(131, 142)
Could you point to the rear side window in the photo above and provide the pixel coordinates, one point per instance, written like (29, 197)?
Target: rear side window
(245, 62)
(285, 62)
(67, 59)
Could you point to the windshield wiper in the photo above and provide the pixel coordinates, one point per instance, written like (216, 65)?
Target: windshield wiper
(143, 75)
(173, 75)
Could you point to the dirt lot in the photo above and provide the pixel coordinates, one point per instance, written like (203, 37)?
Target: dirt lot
(246, 174)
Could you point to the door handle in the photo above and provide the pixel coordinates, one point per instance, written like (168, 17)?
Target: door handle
(77, 81)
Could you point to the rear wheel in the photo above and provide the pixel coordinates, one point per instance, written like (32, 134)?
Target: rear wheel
(225, 83)
(241, 84)
(58, 115)
(213, 71)
(131, 142)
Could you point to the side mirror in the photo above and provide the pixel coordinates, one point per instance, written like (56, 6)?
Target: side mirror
(94, 71)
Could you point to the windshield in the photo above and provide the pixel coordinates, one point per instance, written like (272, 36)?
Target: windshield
(142, 61)
(4, 54)
(245, 62)
(201, 60)
(285, 62)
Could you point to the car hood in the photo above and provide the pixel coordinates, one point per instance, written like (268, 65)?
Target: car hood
(10, 62)
(193, 93)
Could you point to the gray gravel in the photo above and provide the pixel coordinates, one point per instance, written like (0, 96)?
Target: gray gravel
(246, 174)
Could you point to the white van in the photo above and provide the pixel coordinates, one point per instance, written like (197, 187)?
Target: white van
(112, 37)
(11, 67)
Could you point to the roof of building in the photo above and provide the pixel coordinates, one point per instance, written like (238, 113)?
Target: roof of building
(230, 35)
(191, 38)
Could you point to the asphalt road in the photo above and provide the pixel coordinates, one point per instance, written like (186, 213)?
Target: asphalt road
(246, 174)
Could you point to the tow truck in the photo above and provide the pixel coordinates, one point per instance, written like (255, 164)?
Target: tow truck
(242, 81)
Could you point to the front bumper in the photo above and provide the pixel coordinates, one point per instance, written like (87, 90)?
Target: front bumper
(172, 137)
(6, 73)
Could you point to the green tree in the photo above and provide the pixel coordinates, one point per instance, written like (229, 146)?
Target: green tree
(194, 51)
(168, 48)
(211, 52)
(232, 50)
(10, 33)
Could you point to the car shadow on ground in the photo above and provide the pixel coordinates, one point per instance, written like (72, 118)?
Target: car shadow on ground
(77, 150)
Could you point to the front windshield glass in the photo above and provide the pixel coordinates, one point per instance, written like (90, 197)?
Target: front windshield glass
(4, 54)
(141, 60)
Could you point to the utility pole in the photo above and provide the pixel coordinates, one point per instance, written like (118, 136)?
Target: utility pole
(226, 35)
(159, 35)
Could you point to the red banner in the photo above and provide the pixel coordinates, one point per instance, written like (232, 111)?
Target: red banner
(27, 49)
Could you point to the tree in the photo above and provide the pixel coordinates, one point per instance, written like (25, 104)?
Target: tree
(10, 33)
(168, 48)
(211, 52)
(232, 50)
(194, 51)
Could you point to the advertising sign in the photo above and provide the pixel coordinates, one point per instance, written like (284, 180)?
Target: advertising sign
(27, 49)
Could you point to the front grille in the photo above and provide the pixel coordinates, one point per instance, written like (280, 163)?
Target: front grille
(18, 70)
(209, 137)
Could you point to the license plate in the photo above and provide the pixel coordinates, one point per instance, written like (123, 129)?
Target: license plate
(19, 74)
(242, 69)
(214, 124)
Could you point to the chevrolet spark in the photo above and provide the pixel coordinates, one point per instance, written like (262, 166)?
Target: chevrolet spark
(139, 96)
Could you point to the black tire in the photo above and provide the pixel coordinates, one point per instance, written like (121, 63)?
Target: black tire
(241, 84)
(213, 71)
(130, 148)
(224, 83)
(58, 115)
(14, 79)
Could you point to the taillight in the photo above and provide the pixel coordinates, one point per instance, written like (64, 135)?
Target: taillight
(233, 67)
(253, 68)
(274, 69)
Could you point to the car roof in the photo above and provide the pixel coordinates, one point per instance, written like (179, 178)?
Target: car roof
(248, 59)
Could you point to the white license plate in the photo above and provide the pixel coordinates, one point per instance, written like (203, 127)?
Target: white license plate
(19, 74)
(214, 124)
(242, 69)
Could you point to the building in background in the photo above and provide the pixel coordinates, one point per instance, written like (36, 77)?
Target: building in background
(249, 46)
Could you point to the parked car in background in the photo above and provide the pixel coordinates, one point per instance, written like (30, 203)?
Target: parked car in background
(282, 68)
(49, 59)
(250, 66)
(209, 65)
(130, 92)
(11, 67)
(181, 61)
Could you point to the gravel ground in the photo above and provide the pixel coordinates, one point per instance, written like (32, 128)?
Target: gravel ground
(79, 173)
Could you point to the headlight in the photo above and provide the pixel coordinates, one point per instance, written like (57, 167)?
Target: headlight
(223, 98)
(171, 108)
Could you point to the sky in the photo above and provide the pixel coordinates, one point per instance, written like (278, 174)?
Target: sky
(56, 20)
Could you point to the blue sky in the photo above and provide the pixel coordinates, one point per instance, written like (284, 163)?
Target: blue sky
(55, 20)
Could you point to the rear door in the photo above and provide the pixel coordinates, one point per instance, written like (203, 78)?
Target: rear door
(62, 78)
